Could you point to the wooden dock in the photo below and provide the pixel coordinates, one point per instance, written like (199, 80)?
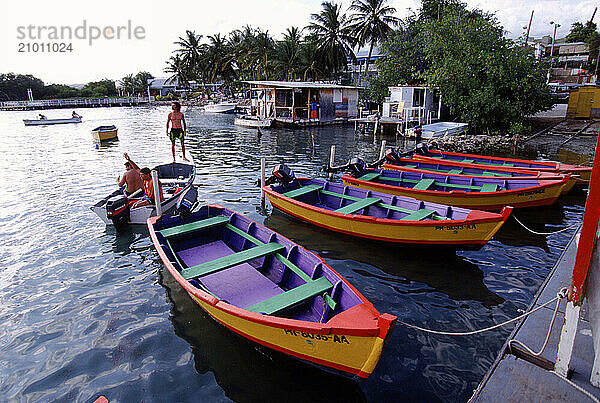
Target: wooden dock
(74, 103)
(513, 379)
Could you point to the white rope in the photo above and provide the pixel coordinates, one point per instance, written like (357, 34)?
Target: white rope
(561, 294)
(544, 233)
(579, 388)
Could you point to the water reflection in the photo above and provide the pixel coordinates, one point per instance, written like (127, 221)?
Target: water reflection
(444, 271)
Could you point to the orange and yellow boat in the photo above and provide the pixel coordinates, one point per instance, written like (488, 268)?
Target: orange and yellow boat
(540, 166)
(475, 193)
(270, 290)
(383, 217)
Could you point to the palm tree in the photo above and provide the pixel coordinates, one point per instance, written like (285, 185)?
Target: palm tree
(335, 39)
(372, 23)
(287, 53)
(310, 60)
(191, 51)
(262, 51)
(128, 84)
(177, 66)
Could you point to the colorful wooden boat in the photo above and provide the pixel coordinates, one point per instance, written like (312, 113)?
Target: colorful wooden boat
(44, 122)
(541, 166)
(104, 133)
(270, 290)
(383, 217)
(448, 167)
(476, 193)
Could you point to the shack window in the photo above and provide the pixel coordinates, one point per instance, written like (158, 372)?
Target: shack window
(419, 97)
(337, 96)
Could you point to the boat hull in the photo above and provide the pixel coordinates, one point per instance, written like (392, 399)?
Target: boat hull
(350, 342)
(105, 135)
(543, 195)
(584, 173)
(254, 123)
(44, 122)
(220, 108)
(510, 172)
(477, 230)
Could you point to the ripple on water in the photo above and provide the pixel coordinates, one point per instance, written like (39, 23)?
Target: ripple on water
(89, 312)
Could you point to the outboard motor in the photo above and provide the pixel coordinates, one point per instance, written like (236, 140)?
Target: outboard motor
(281, 174)
(117, 210)
(186, 202)
(357, 167)
(392, 156)
(422, 149)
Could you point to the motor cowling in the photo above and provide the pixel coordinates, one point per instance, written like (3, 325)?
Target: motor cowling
(392, 156)
(422, 149)
(186, 202)
(357, 167)
(117, 210)
(283, 174)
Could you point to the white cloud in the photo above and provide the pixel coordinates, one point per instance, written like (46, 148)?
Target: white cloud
(164, 22)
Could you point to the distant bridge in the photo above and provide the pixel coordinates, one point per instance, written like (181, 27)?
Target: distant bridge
(74, 103)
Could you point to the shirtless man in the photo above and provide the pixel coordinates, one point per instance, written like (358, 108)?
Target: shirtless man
(146, 176)
(178, 128)
(131, 178)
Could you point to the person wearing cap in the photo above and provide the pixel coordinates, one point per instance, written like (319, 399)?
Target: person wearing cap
(131, 179)
(149, 194)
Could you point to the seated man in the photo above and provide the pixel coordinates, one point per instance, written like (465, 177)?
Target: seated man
(42, 117)
(75, 115)
(149, 194)
(131, 178)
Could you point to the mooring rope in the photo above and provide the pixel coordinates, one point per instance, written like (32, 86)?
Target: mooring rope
(544, 233)
(561, 294)
(579, 388)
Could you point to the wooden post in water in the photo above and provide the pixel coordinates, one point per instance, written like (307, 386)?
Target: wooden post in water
(382, 151)
(331, 160)
(262, 181)
(156, 192)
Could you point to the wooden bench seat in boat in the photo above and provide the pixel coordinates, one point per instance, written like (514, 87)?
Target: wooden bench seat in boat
(468, 161)
(456, 171)
(235, 259)
(424, 184)
(194, 226)
(292, 297)
(370, 176)
(358, 205)
(489, 187)
(302, 191)
(418, 215)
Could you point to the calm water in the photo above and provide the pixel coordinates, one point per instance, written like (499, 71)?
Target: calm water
(88, 312)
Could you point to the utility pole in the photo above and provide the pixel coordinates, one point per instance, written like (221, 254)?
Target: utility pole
(552, 48)
(528, 28)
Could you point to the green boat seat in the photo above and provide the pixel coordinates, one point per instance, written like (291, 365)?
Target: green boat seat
(419, 215)
(410, 166)
(234, 259)
(468, 161)
(424, 184)
(292, 297)
(302, 191)
(455, 171)
(194, 226)
(489, 187)
(370, 176)
(358, 205)
(508, 164)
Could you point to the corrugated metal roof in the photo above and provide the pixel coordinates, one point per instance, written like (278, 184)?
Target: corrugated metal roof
(301, 84)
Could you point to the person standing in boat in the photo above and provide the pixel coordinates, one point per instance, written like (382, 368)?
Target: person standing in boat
(178, 127)
(131, 179)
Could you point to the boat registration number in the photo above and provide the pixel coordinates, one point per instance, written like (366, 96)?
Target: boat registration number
(333, 338)
(455, 227)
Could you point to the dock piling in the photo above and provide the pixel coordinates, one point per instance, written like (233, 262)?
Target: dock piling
(262, 181)
(382, 151)
(156, 196)
(331, 160)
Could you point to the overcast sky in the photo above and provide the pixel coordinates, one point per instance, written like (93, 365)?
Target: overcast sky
(163, 22)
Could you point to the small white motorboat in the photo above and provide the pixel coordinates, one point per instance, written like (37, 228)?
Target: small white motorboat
(253, 121)
(176, 178)
(221, 107)
(41, 122)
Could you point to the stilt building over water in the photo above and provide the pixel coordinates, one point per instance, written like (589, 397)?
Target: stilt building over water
(301, 103)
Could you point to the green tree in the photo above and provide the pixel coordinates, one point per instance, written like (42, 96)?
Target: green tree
(486, 79)
(287, 53)
(13, 87)
(372, 23)
(192, 53)
(334, 37)
(587, 33)
(102, 88)
(140, 82)
(178, 69)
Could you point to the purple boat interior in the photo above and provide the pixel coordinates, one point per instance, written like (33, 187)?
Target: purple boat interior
(336, 196)
(473, 159)
(451, 169)
(252, 282)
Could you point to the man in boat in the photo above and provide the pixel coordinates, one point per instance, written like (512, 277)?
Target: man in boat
(131, 179)
(147, 184)
(42, 117)
(75, 115)
(178, 127)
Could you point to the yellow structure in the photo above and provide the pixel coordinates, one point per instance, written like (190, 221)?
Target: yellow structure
(584, 102)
